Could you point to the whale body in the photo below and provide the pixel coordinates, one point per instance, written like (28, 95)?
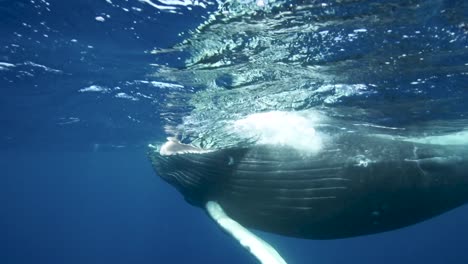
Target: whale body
(355, 185)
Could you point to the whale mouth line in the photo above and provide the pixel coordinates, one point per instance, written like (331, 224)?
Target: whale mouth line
(174, 147)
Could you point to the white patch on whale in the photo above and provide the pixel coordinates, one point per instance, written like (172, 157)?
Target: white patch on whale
(458, 138)
(292, 129)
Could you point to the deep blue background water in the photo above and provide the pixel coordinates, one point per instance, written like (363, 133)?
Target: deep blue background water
(84, 192)
(108, 207)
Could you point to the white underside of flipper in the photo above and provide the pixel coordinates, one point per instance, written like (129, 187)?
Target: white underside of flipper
(263, 251)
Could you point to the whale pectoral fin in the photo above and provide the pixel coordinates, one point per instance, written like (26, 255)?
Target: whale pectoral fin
(263, 251)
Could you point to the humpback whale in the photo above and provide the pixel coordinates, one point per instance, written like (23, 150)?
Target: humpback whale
(356, 184)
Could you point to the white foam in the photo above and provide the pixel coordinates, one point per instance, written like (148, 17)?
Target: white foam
(48, 69)
(360, 30)
(171, 5)
(94, 88)
(166, 85)
(293, 129)
(177, 2)
(6, 64)
(341, 90)
(161, 7)
(68, 120)
(263, 251)
(126, 96)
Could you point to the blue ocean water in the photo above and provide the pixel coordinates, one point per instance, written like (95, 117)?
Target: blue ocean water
(87, 85)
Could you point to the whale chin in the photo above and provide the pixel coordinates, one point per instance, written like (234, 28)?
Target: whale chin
(356, 185)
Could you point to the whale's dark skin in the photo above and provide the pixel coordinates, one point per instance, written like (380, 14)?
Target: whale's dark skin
(356, 185)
